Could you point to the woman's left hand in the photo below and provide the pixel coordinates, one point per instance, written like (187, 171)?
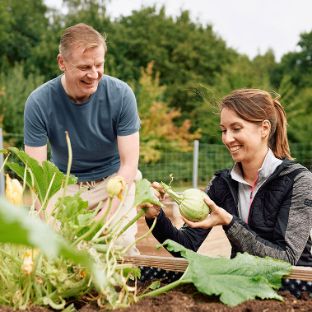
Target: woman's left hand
(217, 216)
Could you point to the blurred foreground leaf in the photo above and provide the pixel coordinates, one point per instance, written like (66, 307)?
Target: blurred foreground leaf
(18, 227)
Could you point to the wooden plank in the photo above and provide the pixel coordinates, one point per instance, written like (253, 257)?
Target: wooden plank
(180, 264)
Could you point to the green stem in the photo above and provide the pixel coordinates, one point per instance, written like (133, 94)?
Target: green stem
(26, 294)
(12, 257)
(4, 162)
(175, 196)
(120, 206)
(45, 201)
(69, 163)
(3, 279)
(100, 231)
(104, 216)
(141, 237)
(24, 178)
(135, 219)
(92, 228)
(54, 305)
(165, 288)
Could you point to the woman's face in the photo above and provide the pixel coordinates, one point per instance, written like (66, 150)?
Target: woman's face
(246, 141)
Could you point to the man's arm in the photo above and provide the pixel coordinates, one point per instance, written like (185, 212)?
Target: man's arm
(39, 153)
(128, 147)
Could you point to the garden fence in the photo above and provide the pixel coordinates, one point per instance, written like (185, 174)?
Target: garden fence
(210, 158)
(192, 168)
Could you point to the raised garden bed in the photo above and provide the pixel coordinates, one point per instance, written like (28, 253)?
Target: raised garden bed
(188, 299)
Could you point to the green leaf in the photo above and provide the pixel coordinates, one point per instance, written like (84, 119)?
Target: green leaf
(42, 175)
(235, 280)
(18, 227)
(73, 213)
(154, 285)
(144, 194)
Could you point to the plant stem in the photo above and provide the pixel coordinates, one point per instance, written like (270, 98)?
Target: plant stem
(69, 162)
(135, 219)
(165, 288)
(45, 201)
(120, 206)
(89, 232)
(103, 217)
(174, 195)
(4, 162)
(141, 237)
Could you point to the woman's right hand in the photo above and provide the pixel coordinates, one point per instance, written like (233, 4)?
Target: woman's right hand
(152, 211)
(159, 191)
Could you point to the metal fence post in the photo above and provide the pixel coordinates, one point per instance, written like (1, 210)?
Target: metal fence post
(1, 163)
(195, 163)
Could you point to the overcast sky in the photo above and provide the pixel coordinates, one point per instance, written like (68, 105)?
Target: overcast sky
(249, 26)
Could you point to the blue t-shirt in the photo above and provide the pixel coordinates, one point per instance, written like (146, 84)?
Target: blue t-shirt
(93, 126)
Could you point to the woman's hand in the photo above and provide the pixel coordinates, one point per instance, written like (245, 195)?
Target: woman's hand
(217, 216)
(152, 211)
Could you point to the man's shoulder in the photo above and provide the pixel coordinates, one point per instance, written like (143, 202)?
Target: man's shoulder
(112, 83)
(45, 89)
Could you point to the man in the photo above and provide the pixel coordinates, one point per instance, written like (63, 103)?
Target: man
(98, 111)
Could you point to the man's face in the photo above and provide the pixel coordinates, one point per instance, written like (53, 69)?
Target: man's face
(83, 69)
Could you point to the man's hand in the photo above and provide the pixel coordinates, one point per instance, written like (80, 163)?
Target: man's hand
(217, 216)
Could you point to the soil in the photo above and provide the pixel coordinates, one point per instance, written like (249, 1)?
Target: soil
(187, 299)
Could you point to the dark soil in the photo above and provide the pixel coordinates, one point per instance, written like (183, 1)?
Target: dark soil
(187, 299)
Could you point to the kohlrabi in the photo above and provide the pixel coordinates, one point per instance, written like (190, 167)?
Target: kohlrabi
(191, 202)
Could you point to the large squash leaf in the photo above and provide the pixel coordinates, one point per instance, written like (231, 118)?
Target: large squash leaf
(235, 280)
(144, 194)
(42, 175)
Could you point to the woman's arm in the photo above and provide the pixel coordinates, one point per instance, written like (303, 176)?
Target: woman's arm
(290, 235)
(186, 236)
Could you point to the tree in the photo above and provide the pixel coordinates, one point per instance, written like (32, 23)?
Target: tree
(297, 65)
(182, 51)
(22, 26)
(14, 90)
(158, 131)
(298, 107)
(241, 73)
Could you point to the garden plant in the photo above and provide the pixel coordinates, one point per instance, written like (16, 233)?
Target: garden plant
(54, 259)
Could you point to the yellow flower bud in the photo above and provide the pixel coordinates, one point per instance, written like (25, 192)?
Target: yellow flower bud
(115, 186)
(27, 265)
(14, 191)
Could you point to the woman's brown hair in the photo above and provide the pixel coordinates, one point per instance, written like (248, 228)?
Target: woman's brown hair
(256, 105)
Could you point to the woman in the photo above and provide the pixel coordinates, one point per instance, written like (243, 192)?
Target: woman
(265, 201)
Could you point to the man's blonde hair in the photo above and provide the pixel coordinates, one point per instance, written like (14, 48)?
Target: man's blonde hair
(80, 35)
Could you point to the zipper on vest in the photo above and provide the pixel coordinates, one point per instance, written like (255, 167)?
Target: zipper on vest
(252, 189)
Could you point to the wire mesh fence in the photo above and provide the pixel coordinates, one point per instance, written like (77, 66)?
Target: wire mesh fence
(211, 157)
